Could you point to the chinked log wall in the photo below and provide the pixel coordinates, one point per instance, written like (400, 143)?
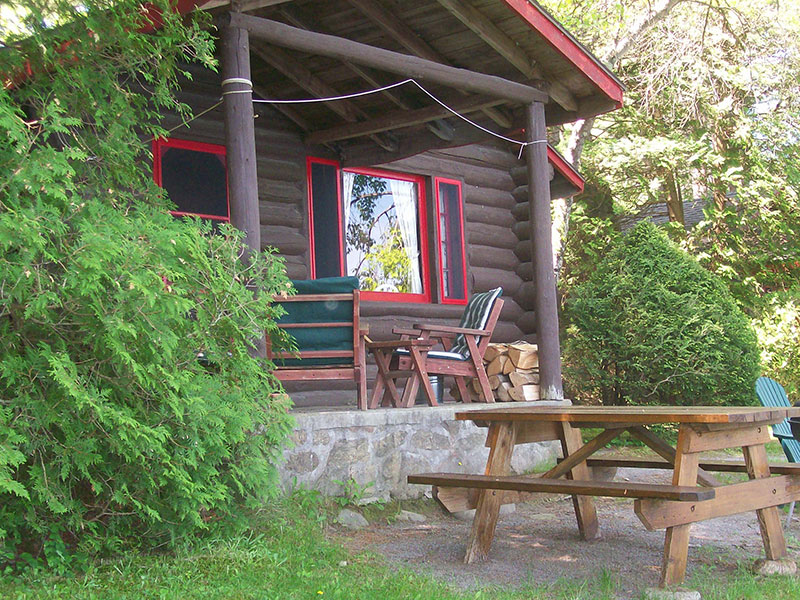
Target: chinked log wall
(491, 207)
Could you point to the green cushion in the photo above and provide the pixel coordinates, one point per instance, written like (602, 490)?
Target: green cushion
(322, 338)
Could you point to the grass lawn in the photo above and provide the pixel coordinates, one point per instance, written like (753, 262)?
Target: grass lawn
(285, 555)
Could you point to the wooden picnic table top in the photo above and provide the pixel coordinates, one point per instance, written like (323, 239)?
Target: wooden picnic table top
(634, 415)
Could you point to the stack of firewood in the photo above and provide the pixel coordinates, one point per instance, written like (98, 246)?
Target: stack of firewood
(513, 371)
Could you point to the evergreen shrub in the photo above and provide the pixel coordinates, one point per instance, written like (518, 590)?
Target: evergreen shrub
(112, 433)
(778, 329)
(651, 326)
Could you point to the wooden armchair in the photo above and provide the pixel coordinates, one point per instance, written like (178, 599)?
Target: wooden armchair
(413, 357)
(324, 320)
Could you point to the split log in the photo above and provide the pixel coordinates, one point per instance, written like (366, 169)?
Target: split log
(518, 378)
(493, 351)
(524, 356)
(496, 380)
(524, 393)
(501, 394)
(497, 365)
(508, 367)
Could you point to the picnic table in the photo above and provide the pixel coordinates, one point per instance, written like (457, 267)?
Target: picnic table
(673, 507)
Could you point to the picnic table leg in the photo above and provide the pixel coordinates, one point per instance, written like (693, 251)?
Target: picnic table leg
(676, 540)
(585, 511)
(755, 457)
(502, 437)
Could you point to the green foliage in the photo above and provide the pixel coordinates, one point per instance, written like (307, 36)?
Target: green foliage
(778, 329)
(650, 325)
(353, 493)
(112, 433)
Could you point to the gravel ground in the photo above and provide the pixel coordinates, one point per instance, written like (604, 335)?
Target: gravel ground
(539, 543)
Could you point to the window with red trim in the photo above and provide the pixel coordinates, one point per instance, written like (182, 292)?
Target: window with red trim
(450, 229)
(376, 232)
(194, 175)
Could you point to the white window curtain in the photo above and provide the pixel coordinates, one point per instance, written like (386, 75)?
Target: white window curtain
(404, 194)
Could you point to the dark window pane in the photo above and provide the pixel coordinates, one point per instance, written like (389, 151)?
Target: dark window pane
(451, 236)
(195, 181)
(325, 201)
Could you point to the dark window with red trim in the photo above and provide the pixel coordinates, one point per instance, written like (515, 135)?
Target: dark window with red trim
(450, 224)
(325, 218)
(194, 175)
(377, 231)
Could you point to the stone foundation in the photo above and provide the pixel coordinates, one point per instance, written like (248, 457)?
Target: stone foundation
(383, 446)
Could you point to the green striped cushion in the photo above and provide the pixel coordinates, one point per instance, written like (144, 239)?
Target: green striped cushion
(476, 314)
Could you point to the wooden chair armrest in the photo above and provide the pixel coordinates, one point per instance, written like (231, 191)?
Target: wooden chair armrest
(397, 344)
(406, 331)
(446, 330)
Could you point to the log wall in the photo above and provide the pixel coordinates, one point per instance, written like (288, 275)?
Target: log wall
(490, 211)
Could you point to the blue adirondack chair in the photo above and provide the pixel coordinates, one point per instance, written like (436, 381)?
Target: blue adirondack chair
(771, 393)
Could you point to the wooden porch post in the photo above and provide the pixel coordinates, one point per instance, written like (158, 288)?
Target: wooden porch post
(240, 143)
(240, 138)
(545, 303)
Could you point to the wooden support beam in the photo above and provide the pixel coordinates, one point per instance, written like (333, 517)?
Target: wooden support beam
(507, 48)
(295, 71)
(440, 129)
(393, 25)
(240, 144)
(240, 136)
(243, 5)
(287, 36)
(398, 30)
(545, 301)
(400, 119)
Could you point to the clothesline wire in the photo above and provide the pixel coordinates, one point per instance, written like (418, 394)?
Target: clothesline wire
(243, 81)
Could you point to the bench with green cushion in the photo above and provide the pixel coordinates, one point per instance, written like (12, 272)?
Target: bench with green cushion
(324, 320)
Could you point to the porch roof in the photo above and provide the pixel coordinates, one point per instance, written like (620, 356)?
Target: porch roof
(512, 39)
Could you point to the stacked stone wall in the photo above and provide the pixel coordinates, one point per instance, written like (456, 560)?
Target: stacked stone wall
(379, 448)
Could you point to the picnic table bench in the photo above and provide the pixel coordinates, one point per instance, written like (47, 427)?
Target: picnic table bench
(659, 506)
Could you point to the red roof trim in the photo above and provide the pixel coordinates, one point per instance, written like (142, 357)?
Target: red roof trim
(566, 169)
(558, 38)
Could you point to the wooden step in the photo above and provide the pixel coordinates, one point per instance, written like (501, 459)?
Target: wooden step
(565, 486)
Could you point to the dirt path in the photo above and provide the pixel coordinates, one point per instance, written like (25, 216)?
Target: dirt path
(538, 543)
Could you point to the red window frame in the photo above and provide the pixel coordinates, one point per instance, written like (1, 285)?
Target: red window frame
(158, 148)
(422, 232)
(311, 241)
(443, 298)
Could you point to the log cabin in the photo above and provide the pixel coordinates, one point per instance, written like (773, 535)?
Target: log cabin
(424, 205)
